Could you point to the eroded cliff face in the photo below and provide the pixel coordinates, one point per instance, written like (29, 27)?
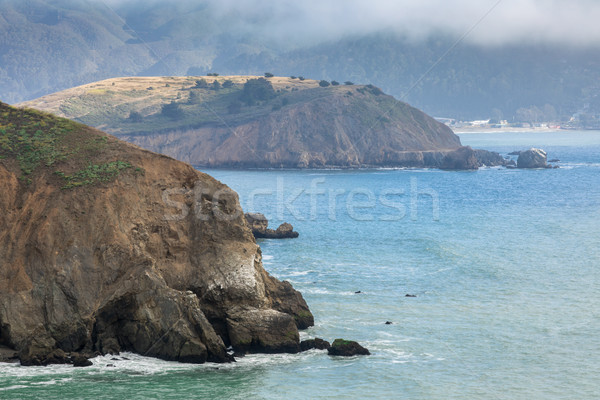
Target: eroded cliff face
(158, 261)
(351, 126)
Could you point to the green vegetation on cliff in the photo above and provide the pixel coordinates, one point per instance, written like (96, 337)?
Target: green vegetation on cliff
(37, 140)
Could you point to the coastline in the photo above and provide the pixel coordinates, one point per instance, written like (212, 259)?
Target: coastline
(500, 130)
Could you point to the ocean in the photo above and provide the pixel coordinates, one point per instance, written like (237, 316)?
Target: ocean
(504, 265)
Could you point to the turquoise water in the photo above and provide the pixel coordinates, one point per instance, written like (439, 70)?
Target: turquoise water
(505, 265)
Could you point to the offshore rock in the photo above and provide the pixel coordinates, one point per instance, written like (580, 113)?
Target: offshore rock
(460, 159)
(316, 343)
(157, 260)
(258, 223)
(532, 158)
(490, 158)
(347, 348)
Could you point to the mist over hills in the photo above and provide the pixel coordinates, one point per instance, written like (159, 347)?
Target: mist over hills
(46, 46)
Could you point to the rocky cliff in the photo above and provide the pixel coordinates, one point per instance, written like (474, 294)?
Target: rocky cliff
(105, 247)
(353, 126)
(251, 122)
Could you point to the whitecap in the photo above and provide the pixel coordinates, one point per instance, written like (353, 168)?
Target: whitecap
(14, 387)
(50, 382)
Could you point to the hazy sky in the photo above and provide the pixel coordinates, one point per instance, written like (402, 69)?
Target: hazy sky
(573, 22)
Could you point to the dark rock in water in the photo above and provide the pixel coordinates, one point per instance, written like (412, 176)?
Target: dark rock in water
(490, 158)
(315, 343)
(514, 153)
(42, 351)
(463, 158)
(259, 225)
(257, 222)
(80, 361)
(532, 158)
(347, 348)
(466, 158)
(510, 163)
(410, 295)
(358, 292)
(249, 335)
(286, 230)
(388, 322)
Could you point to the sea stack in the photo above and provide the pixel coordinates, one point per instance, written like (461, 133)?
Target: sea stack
(532, 158)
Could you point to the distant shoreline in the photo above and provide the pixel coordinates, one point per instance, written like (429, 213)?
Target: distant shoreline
(500, 130)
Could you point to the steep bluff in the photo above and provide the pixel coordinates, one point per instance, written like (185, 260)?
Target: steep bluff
(345, 127)
(105, 247)
(251, 122)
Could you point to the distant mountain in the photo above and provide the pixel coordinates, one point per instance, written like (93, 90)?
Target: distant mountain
(245, 121)
(46, 46)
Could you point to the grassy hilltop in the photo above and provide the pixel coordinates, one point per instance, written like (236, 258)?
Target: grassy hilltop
(251, 121)
(135, 105)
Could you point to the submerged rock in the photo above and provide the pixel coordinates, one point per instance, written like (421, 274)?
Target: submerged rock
(156, 259)
(347, 348)
(532, 158)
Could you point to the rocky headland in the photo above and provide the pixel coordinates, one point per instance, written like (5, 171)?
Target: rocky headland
(105, 247)
(253, 122)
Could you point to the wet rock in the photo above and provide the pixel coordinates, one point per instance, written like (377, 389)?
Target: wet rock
(262, 331)
(489, 158)
(388, 322)
(410, 295)
(532, 158)
(41, 350)
(315, 343)
(347, 348)
(79, 360)
(463, 158)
